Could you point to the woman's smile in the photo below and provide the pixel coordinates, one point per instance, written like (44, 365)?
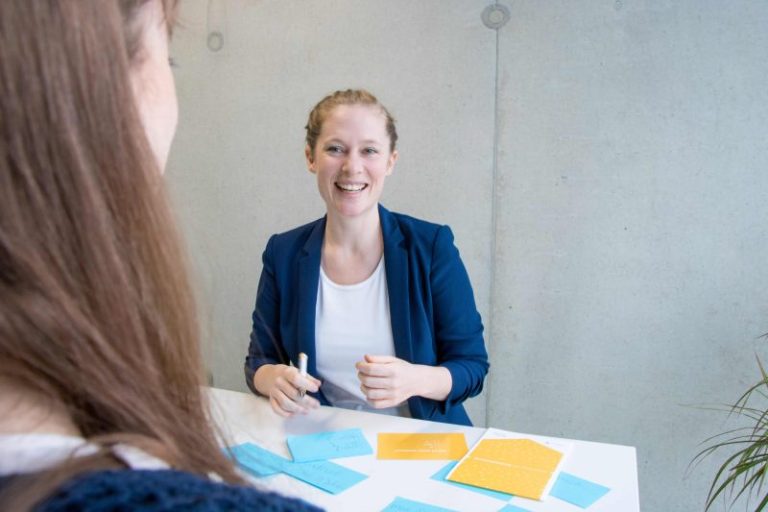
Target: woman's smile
(351, 187)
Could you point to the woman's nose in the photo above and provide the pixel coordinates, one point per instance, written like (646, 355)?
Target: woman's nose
(353, 163)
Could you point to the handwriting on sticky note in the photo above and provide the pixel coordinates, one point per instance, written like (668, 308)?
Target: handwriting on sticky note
(521, 467)
(325, 475)
(256, 460)
(329, 445)
(403, 505)
(450, 446)
(577, 491)
(443, 472)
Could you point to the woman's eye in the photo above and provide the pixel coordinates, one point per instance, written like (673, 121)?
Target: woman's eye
(370, 151)
(334, 149)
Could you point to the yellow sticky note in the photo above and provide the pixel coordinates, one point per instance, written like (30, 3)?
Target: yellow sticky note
(421, 446)
(521, 467)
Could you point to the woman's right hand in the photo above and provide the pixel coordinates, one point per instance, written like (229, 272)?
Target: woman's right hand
(283, 385)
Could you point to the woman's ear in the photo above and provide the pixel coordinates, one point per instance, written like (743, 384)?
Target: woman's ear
(310, 159)
(391, 163)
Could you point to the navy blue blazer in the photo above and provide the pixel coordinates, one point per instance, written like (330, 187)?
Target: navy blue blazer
(434, 318)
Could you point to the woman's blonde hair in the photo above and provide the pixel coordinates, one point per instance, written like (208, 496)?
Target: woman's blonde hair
(320, 113)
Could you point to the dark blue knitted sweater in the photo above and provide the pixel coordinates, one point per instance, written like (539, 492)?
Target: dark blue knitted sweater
(160, 491)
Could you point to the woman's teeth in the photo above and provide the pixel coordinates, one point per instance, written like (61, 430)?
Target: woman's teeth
(350, 187)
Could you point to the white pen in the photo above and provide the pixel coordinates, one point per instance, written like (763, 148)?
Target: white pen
(303, 370)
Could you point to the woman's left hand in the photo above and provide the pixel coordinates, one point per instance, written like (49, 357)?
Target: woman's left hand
(387, 381)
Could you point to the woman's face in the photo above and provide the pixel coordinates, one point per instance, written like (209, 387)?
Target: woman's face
(153, 84)
(351, 159)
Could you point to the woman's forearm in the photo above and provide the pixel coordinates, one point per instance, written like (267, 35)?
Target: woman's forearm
(436, 382)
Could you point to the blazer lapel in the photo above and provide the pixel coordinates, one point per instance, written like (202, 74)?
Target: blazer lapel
(309, 275)
(396, 264)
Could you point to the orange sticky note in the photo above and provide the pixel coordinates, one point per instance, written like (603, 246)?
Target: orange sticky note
(421, 446)
(521, 467)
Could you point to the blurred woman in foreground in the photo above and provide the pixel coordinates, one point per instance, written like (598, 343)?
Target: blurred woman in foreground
(100, 369)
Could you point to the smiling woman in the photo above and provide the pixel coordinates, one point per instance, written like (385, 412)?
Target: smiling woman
(351, 158)
(380, 301)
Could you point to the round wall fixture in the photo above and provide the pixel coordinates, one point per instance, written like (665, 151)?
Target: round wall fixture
(215, 41)
(495, 16)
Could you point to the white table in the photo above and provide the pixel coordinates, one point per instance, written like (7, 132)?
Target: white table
(247, 418)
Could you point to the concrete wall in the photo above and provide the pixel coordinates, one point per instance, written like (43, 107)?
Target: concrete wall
(603, 165)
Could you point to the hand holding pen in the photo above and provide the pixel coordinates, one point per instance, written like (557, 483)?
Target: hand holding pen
(286, 387)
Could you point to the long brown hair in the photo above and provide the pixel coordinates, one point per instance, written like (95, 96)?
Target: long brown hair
(96, 311)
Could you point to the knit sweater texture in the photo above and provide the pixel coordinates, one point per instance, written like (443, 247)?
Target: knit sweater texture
(160, 491)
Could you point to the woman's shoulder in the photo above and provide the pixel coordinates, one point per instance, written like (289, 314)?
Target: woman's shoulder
(414, 229)
(298, 236)
(161, 490)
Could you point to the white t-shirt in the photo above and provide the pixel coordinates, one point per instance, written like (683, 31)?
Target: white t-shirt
(351, 321)
(30, 453)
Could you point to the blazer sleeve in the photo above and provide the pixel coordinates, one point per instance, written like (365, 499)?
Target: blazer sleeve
(458, 328)
(266, 346)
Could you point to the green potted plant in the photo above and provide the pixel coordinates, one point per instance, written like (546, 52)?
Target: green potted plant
(743, 472)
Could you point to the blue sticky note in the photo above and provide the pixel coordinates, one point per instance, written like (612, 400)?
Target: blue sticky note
(256, 460)
(577, 491)
(513, 508)
(329, 445)
(440, 477)
(324, 475)
(403, 505)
